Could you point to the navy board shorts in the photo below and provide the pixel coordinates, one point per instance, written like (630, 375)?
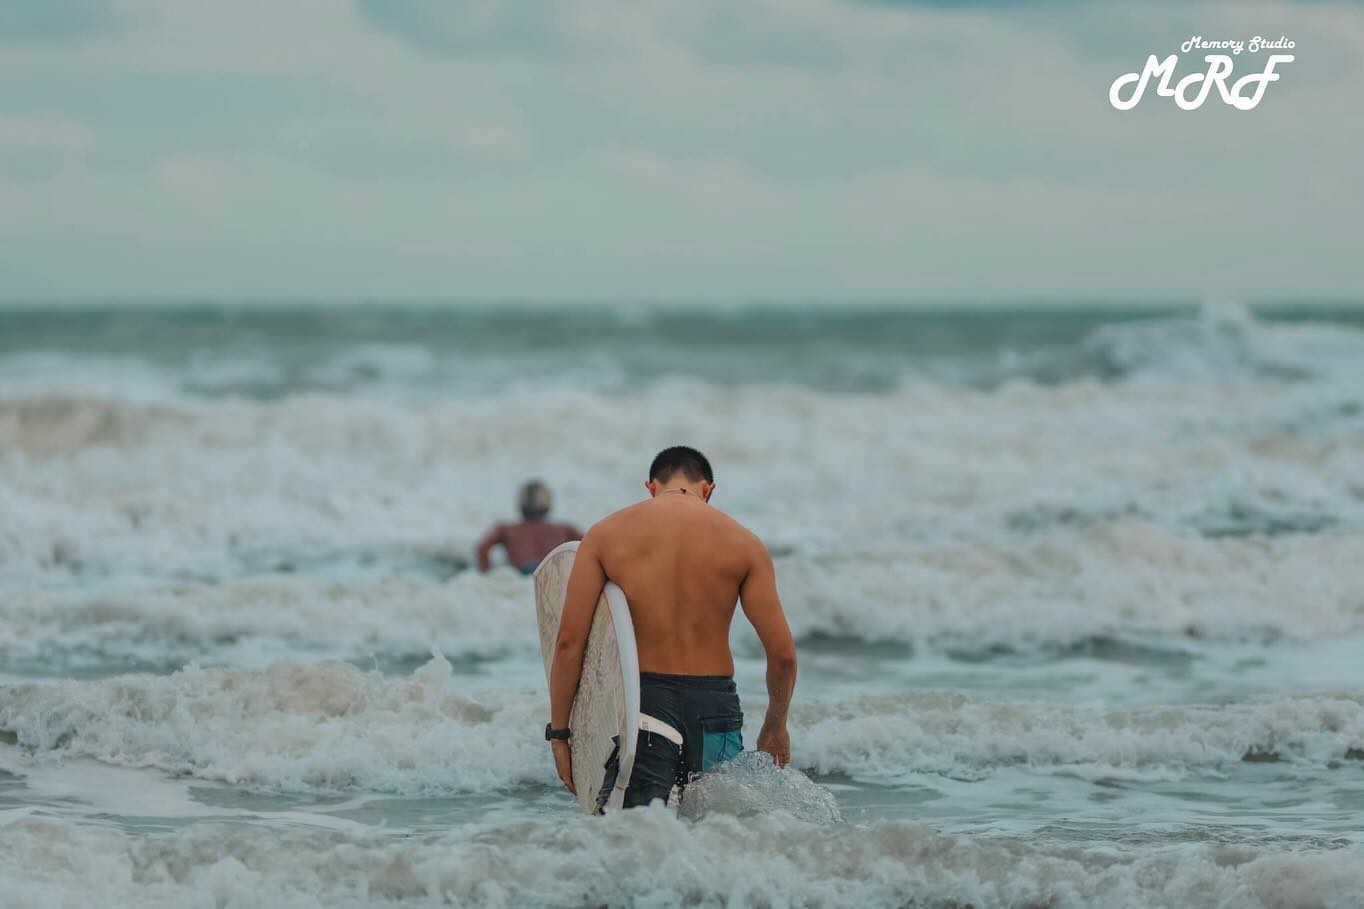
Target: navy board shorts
(688, 724)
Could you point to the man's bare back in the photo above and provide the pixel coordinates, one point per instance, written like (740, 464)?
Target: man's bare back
(683, 566)
(526, 542)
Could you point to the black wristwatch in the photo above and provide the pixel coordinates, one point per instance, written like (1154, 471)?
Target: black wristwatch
(552, 734)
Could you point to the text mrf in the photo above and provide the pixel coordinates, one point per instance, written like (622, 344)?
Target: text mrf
(1219, 68)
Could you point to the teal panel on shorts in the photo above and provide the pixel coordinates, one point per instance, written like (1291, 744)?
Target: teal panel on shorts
(718, 747)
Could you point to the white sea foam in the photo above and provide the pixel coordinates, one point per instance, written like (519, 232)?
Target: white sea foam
(255, 621)
(648, 857)
(891, 736)
(1225, 344)
(1066, 586)
(330, 727)
(1056, 588)
(750, 784)
(105, 495)
(1190, 487)
(322, 727)
(930, 461)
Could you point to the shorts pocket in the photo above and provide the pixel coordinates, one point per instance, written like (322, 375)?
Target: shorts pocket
(658, 767)
(722, 739)
(612, 771)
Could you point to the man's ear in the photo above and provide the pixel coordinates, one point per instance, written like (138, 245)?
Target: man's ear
(706, 490)
(652, 487)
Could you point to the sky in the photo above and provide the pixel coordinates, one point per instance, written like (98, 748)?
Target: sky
(683, 150)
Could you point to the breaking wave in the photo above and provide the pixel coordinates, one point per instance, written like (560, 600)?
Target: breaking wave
(1223, 344)
(649, 856)
(1050, 591)
(331, 727)
(426, 353)
(107, 491)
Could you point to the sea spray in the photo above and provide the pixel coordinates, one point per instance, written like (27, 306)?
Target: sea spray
(751, 784)
(647, 854)
(331, 727)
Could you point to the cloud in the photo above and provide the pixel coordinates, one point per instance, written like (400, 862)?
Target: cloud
(481, 27)
(650, 148)
(58, 20)
(50, 134)
(797, 33)
(1016, 5)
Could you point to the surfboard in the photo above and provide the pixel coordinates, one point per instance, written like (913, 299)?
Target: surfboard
(607, 703)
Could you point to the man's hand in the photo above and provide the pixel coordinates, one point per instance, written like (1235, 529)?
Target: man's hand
(776, 741)
(563, 763)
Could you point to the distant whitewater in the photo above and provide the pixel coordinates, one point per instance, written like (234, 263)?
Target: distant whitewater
(1079, 596)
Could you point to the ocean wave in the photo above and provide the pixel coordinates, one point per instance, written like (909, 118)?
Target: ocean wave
(332, 727)
(888, 737)
(1223, 343)
(97, 490)
(1062, 588)
(402, 353)
(321, 727)
(49, 424)
(648, 856)
(1126, 581)
(254, 621)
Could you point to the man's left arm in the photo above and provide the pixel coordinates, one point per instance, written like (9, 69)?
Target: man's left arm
(580, 602)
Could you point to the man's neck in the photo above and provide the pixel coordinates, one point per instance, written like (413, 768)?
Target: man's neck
(683, 491)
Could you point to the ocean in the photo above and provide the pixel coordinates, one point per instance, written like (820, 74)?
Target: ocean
(1078, 592)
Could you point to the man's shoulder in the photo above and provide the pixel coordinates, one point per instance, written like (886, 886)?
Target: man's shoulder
(742, 537)
(613, 522)
(731, 524)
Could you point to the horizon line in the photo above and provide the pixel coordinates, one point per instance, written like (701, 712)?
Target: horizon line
(865, 302)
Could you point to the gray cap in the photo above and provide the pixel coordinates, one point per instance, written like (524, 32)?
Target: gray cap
(534, 500)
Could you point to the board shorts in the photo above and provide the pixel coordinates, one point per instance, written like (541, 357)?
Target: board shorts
(687, 725)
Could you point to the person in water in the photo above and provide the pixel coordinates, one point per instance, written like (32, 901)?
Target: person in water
(530, 539)
(682, 565)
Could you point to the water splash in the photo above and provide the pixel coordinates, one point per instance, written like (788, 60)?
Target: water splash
(751, 784)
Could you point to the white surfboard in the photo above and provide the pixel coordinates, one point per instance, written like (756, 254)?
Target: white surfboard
(608, 694)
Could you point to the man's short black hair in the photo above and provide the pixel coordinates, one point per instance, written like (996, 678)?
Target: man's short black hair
(680, 459)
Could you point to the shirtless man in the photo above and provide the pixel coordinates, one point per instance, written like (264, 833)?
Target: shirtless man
(530, 539)
(682, 565)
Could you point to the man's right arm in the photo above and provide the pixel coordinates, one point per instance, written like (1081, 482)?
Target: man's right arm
(761, 605)
(485, 548)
